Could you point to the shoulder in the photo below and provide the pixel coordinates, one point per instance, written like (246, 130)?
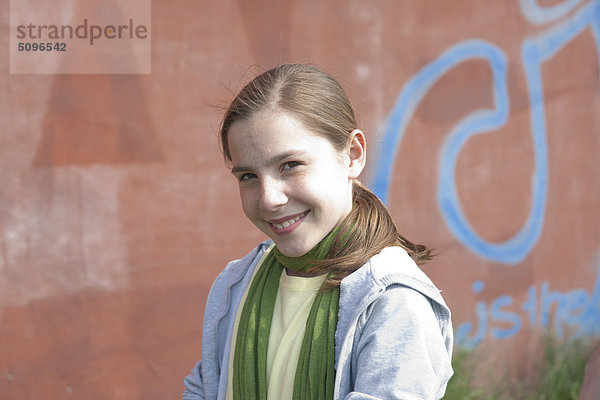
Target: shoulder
(402, 307)
(236, 270)
(400, 314)
(228, 287)
(392, 266)
(401, 340)
(388, 315)
(242, 263)
(388, 283)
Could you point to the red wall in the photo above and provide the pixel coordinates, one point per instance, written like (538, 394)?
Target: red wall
(116, 210)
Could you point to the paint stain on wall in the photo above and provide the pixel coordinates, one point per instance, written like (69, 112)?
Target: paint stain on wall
(98, 119)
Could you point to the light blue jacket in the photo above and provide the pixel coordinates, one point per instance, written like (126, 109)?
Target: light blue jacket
(393, 338)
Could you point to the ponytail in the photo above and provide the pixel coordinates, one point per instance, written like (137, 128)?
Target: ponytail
(365, 232)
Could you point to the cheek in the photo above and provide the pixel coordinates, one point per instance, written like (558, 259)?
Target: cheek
(337, 179)
(331, 188)
(247, 201)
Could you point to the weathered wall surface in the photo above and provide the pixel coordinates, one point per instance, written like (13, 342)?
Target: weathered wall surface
(116, 211)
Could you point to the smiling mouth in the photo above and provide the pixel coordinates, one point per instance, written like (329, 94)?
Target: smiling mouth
(287, 225)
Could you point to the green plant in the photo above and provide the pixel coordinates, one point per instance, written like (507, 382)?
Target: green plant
(561, 370)
(461, 383)
(557, 374)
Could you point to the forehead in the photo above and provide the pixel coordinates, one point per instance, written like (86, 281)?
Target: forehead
(268, 132)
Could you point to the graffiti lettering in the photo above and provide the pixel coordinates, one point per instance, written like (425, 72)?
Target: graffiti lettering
(551, 310)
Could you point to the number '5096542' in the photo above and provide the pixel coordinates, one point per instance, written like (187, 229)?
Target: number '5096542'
(42, 46)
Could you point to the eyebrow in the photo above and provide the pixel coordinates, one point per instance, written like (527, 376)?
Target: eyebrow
(274, 160)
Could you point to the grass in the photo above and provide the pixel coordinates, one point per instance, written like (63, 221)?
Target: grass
(557, 374)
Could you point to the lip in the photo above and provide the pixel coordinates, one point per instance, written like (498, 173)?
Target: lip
(279, 227)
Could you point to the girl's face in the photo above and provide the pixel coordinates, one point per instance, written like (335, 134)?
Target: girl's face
(294, 186)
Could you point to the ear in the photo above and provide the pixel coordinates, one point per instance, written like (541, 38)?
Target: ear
(357, 153)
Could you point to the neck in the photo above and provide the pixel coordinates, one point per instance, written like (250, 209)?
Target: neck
(297, 266)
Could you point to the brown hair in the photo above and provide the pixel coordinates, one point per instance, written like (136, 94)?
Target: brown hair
(319, 102)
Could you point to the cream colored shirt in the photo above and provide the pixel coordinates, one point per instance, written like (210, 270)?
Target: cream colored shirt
(292, 306)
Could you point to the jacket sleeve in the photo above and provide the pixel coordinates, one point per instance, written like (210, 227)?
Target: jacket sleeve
(194, 389)
(400, 348)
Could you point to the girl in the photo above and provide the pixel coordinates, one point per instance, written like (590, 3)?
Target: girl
(333, 306)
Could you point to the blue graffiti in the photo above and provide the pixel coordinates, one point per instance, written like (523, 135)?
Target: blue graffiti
(577, 310)
(415, 90)
(540, 15)
(535, 51)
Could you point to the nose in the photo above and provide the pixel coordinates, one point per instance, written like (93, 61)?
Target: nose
(272, 194)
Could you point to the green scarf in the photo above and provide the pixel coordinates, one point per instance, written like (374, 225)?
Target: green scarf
(315, 373)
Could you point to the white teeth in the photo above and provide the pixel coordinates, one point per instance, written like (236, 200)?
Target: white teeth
(289, 222)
